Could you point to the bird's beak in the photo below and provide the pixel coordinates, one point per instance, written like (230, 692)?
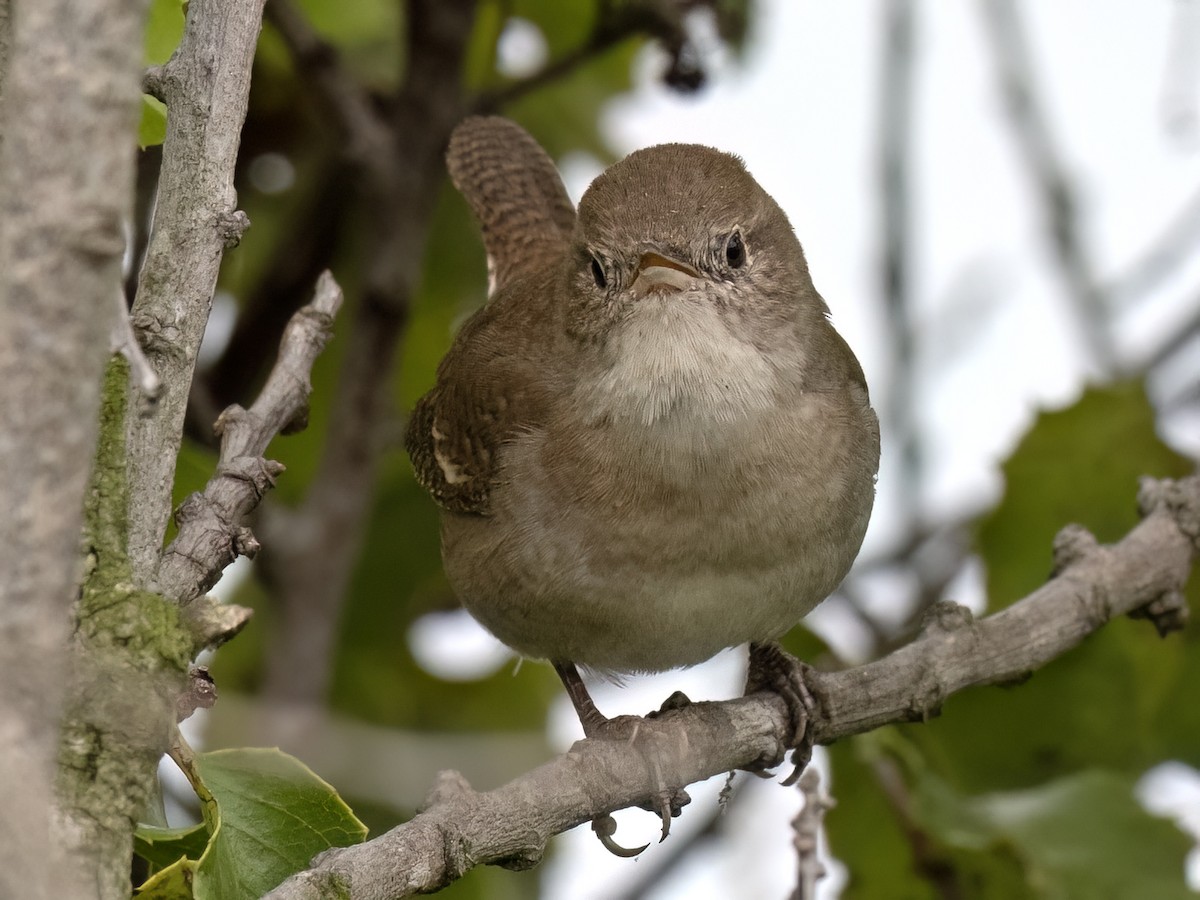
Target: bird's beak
(663, 275)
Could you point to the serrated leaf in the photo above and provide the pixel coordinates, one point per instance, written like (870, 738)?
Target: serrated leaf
(1116, 701)
(162, 847)
(172, 883)
(272, 816)
(1079, 464)
(152, 129)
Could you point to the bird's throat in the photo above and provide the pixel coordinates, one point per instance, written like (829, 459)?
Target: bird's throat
(678, 360)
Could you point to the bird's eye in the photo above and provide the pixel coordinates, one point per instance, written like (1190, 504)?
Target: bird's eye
(735, 251)
(598, 273)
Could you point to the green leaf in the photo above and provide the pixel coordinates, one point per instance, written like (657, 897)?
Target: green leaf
(1118, 700)
(172, 883)
(162, 847)
(272, 816)
(903, 831)
(866, 835)
(1080, 464)
(1083, 836)
(164, 29)
(152, 129)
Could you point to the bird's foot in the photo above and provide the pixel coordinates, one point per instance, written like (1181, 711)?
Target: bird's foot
(667, 801)
(773, 669)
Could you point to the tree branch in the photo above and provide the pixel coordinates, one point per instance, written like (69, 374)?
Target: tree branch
(205, 86)
(511, 825)
(895, 177)
(69, 74)
(211, 530)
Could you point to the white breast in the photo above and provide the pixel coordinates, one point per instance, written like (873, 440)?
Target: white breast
(676, 357)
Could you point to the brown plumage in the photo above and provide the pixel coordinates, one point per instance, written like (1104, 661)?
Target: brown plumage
(650, 444)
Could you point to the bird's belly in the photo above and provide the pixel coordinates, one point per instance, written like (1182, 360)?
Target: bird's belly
(650, 569)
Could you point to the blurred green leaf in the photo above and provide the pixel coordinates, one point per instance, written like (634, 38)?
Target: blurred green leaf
(152, 128)
(272, 816)
(1079, 464)
(903, 831)
(865, 834)
(1078, 838)
(164, 29)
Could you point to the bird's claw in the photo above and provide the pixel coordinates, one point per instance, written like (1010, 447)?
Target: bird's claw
(773, 669)
(605, 827)
(667, 802)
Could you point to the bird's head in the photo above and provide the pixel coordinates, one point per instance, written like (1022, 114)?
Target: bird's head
(685, 280)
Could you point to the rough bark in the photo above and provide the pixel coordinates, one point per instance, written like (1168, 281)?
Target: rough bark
(132, 646)
(511, 825)
(206, 86)
(69, 74)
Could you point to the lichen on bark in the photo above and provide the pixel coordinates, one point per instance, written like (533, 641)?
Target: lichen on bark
(130, 659)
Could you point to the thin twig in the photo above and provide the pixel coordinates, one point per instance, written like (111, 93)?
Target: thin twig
(610, 29)
(806, 828)
(342, 98)
(206, 86)
(1175, 245)
(314, 546)
(211, 529)
(895, 110)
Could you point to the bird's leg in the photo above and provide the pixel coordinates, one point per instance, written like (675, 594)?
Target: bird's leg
(773, 669)
(668, 802)
(592, 720)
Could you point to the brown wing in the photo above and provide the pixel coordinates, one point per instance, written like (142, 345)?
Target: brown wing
(488, 384)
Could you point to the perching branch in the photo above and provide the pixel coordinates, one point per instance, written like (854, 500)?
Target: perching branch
(212, 532)
(205, 85)
(511, 825)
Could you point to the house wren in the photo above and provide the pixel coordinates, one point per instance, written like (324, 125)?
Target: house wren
(650, 444)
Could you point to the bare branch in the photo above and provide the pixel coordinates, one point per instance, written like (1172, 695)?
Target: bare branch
(612, 26)
(144, 379)
(211, 524)
(510, 826)
(205, 86)
(895, 149)
(1181, 75)
(807, 830)
(313, 548)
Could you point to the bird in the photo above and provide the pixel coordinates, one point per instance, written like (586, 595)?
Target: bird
(650, 444)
